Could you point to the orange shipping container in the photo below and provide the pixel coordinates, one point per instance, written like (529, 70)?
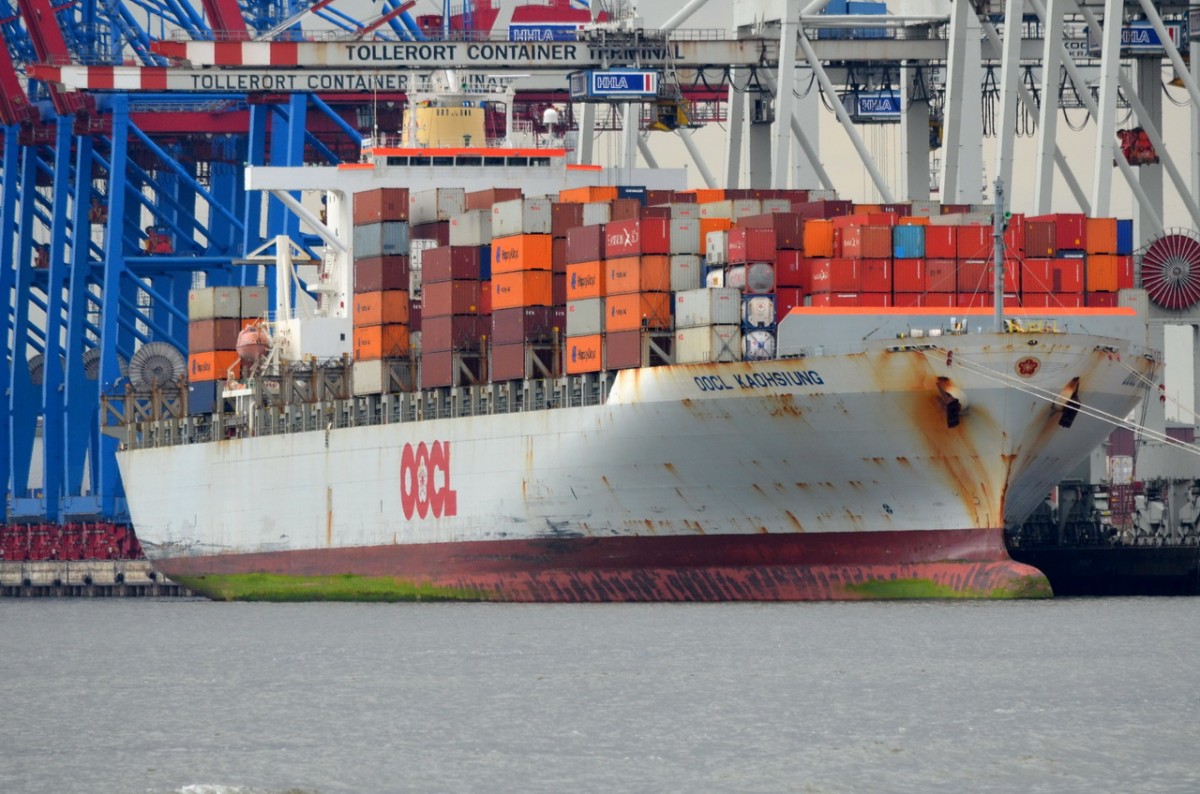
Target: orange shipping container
(585, 280)
(818, 238)
(584, 353)
(628, 274)
(707, 195)
(213, 365)
(712, 225)
(587, 195)
(522, 252)
(523, 288)
(380, 341)
(381, 308)
(914, 220)
(1101, 235)
(1101, 272)
(628, 312)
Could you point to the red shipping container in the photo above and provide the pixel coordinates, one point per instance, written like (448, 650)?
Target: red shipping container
(880, 299)
(1071, 231)
(1046, 300)
(484, 199)
(974, 275)
(973, 242)
(634, 238)
(485, 298)
(205, 336)
(1066, 276)
(434, 230)
(1125, 272)
(941, 242)
(558, 289)
(751, 245)
(437, 369)
(788, 228)
(1040, 239)
(1100, 299)
(839, 299)
(875, 275)
(822, 209)
(1035, 275)
(380, 273)
(381, 204)
(793, 269)
(628, 209)
(527, 324)
(450, 297)
(786, 299)
(941, 275)
(908, 275)
(623, 349)
(585, 243)
(564, 217)
(414, 316)
(908, 300)
(835, 275)
(558, 254)
(508, 361)
(1014, 235)
(867, 242)
(462, 332)
(450, 262)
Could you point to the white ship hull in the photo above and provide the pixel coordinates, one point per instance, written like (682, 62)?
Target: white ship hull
(837, 466)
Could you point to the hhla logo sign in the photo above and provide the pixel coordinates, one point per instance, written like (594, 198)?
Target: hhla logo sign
(425, 481)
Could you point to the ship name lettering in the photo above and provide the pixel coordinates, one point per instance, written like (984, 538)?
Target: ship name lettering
(760, 380)
(421, 491)
(712, 383)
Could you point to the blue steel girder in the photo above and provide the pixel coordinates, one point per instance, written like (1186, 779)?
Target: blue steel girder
(10, 189)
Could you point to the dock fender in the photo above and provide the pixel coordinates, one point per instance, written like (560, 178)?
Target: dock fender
(953, 400)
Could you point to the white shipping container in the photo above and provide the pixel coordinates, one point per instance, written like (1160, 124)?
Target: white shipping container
(473, 227)
(596, 213)
(714, 278)
(708, 343)
(776, 205)
(253, 301)
(687, 272)
(744, 208)
(961, 219)
(757, 278)
(758, 346)
(369, 376)
(585, 317)
(685, 235)
(822, 195)
(211, 303)
(521, 216)
(708, 306)
(716, 247)
(417, 251)
(924, 208)
(716, 209)
(758, 311)
(685, 210)
(437, 204)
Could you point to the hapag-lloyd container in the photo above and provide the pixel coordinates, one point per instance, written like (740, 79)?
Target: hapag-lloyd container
(522, 252)
(632, 311)
(687, 272)
(584, 353)
(757, 278)
(758, 311)
(585, 316)
(436, 204)
(522, 288)
(385, 238)
(708, 306)
(586, 280)
(685, 236)
(521, 216)
(705, 344)
(527, 324)
(637, 274)
(473, 227)
(636, 237)
(758, 345)
(380, 341)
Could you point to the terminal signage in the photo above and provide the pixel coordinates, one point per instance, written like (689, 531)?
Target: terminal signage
(875, 106)
(542, 31)
(1140, 38)
(614, 84)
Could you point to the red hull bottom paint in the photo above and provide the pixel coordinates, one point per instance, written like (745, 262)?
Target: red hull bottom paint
(797, 567)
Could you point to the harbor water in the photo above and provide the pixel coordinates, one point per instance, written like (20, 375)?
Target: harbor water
(183, 695)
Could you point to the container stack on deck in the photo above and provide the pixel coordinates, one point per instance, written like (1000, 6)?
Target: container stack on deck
(216, 315)
(381, 312)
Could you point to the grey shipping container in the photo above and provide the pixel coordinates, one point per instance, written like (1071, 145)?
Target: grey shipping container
(596, 212)
(687, 272)
(254, 301)
(385, 238)
(708, 343)
(473, 227)
(521, 216)
(708, 306)
(685, 235)
(716, 247)
(210, 303)
(585, 317)
(437, 204)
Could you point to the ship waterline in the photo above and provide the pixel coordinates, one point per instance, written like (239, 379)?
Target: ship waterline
(887, 472)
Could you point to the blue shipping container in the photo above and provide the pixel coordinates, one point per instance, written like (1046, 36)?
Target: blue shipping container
(1124, 237)
(835, 7)
(202, 396)
(908, 242)
(864, 8)
(485, 263)
(633, 192)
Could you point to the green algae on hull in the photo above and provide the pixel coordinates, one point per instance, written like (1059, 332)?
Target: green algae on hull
(1033, 586)
(344, 587)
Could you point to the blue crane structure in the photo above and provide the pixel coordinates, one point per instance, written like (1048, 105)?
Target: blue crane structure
(114, 205)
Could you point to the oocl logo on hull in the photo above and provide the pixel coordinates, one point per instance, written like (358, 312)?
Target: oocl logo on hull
(425, 481)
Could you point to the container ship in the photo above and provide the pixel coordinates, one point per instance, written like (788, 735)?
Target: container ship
(615, 393)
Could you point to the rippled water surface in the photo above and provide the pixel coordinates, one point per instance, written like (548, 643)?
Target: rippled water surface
(207, 698)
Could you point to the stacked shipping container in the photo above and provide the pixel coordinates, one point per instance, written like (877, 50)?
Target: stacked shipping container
(381, 309)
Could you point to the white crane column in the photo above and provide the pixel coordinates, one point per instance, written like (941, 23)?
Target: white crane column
(962, 173)
(734, 131)
(1010, 70)
(914, 133)
(1106, 121)
(1053, 26)
(785, 85)
(1148, 76)
(807, 172)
